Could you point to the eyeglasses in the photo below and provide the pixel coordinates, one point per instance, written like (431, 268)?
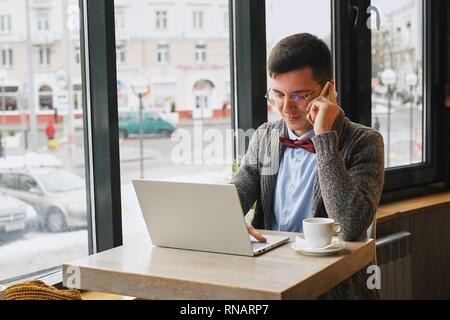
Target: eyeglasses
(277, 99)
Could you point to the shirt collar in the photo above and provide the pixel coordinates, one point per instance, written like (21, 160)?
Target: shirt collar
(310, 134)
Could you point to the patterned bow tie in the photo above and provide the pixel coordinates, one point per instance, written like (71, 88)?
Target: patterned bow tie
(304, 144)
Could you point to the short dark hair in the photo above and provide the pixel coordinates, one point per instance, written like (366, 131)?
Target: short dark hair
(300, 51)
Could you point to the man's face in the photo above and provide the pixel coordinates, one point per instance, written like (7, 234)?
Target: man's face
(294, 112)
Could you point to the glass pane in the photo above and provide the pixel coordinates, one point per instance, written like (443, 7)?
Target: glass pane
(186, 114)
(280, 11)
(397, 80)
(43, 215)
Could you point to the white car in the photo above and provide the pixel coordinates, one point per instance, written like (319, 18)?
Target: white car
(15, 215)
(57, 195)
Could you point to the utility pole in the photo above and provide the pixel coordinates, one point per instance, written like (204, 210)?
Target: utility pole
(3, 76)
(67, 41)
(30, 88)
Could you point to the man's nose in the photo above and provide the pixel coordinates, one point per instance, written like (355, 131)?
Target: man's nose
(288, 105)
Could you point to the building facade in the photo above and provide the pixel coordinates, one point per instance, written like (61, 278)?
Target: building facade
(398, 45)
(181, 48)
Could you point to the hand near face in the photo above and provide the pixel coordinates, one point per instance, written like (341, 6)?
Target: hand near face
(324, 111)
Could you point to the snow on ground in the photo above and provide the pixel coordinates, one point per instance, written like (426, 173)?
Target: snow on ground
(38, 251)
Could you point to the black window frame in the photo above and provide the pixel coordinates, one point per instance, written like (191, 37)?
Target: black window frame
(248, 68)
(100, 119)
(353, 43)
(248, 78)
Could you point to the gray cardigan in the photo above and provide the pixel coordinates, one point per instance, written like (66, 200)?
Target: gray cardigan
(347, 188)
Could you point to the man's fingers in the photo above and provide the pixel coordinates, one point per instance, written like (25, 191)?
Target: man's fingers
(312, 111)
(258, 236)
(308, 108)
(332, 96)
(317, 102)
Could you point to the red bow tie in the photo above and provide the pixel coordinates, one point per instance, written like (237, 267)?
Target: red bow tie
(304, 144)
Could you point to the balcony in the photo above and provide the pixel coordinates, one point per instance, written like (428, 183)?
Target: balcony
(40, 4)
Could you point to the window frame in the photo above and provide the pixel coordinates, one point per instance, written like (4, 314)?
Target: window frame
(248, 68)
(198, 20)
(350, 45)
(120, 54)
(429, 171)
(163, 53)
(45, 53)
(200, 53)
(161, 20)
(354, 45)
(7, 58)
(42, 22)
(248, 86)
(99, 74)
(5, 23)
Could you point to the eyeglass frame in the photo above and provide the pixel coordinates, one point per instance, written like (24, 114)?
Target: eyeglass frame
(306, 97)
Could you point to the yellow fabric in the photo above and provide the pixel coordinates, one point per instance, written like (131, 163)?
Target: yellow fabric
(38, 290)
(53, 144)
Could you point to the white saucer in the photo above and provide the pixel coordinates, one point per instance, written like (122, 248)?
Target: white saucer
(336, 246)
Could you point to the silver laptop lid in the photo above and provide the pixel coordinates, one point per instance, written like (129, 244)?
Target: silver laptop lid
(194, 216)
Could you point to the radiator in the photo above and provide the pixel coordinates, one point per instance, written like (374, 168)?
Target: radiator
(394, 260)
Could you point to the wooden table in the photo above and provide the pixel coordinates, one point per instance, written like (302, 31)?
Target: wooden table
(149, 272)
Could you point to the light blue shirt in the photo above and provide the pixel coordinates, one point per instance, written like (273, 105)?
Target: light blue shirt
(294, 188)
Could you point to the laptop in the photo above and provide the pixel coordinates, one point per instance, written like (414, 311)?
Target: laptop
(198, 216)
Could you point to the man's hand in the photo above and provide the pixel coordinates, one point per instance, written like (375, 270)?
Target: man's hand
(258, 236)
(324, 111)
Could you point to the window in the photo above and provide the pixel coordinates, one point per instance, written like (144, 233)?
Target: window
(43, 23)
(9, 96)
(397, 82)
(399, 87)
(187, 132)
(28, 183)
(120, 20)
(279, 11)
(120, 54)
(163, 53)
(5, 23)
(77, 55)
(198, 20)
(44, 56)
(7, 57)
(200, 53)
(10, 181)
(43, 196)
(161, 20)
(77, 96)
(45, 98)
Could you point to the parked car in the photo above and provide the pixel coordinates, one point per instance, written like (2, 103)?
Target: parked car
(15, 215)
(153, 123)
(57, 195)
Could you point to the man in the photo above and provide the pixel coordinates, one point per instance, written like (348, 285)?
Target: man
(326, 166)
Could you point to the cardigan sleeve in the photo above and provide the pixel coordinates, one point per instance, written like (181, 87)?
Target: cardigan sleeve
(351, 192)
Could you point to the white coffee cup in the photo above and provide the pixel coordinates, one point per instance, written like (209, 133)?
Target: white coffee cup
(318, 232)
